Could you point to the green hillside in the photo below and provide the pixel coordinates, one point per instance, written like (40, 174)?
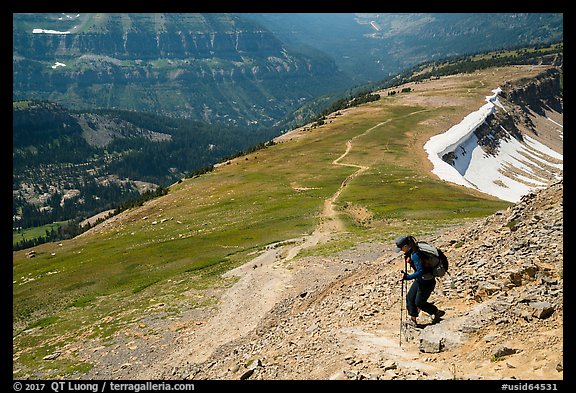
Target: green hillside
(70, 165)
(103, 282)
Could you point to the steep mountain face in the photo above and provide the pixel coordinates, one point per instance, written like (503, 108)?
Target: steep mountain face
(528, 101)
(148, 36)
(212, 67)
(538, 94)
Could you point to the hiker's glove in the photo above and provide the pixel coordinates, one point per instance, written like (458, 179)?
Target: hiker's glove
(403, 274)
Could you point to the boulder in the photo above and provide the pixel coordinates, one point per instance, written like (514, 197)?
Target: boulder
(542, 310)
(437, 338)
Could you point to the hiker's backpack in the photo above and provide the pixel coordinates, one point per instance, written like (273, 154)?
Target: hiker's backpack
(434, 258)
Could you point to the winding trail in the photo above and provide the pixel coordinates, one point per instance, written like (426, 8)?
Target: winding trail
(329, 212)
(261, 284)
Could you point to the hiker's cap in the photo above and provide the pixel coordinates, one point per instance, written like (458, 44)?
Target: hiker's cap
(400, 242)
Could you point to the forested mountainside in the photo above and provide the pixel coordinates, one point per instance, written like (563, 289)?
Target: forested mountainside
(69, 165)
(218, 68)
(242, 69)
(371, 46)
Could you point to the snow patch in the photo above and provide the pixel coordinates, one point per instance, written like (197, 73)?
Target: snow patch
(558, 124)
(43, 31)
(456, 136)
(474, 168)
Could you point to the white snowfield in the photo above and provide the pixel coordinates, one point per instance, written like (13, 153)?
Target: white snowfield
(486, 173)
(66, 17)
(44, 31)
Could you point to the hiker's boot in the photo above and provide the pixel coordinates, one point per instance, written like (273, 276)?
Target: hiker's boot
(436, 317)
(412, 322)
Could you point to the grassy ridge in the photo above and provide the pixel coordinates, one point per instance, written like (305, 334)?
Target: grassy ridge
(206, 225)
(391, 189)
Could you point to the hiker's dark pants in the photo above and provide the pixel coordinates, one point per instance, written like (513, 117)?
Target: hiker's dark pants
(417, 297)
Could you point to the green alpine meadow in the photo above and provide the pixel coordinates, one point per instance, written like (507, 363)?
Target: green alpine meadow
(205, 225)
(218, 195)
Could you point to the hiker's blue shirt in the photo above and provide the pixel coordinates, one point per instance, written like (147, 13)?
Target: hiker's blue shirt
(416, 264)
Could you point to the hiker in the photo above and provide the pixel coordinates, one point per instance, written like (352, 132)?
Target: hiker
(424, 281)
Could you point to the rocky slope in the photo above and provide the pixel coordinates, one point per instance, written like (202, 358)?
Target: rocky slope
(503, 301)
(527, 99)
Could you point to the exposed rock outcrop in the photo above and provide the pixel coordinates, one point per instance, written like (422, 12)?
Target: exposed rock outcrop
(523, 101)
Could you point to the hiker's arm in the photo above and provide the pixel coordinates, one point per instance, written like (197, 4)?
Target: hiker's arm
(419, 269)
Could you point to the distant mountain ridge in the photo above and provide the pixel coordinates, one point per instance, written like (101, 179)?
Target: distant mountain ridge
(241, 69)
(373, 46)
(217, 68)
(143, 36)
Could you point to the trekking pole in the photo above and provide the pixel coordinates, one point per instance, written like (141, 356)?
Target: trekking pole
(401, 309)
(402, 299)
